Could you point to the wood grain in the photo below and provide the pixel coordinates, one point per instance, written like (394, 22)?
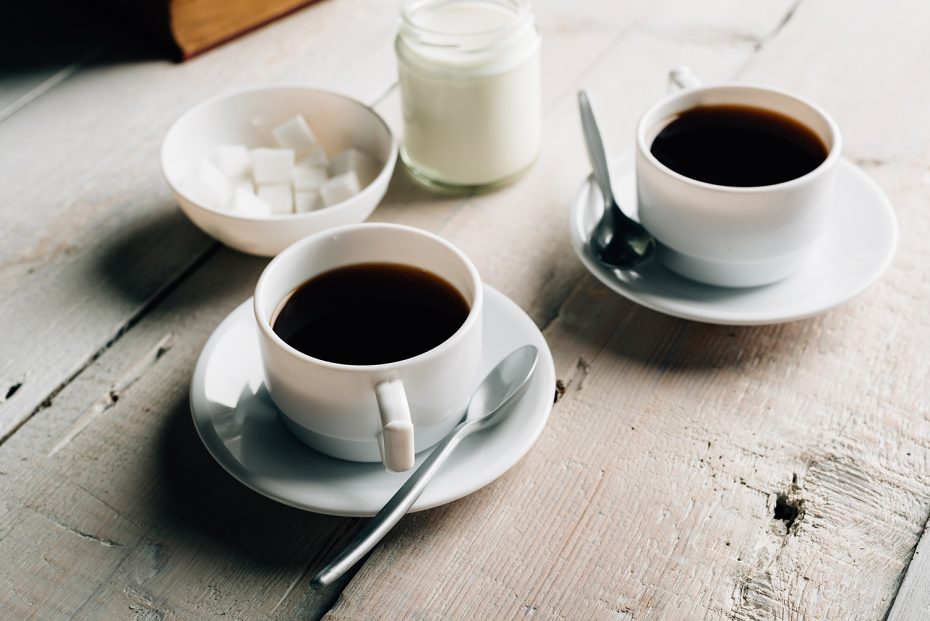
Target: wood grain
(90, 237)
(120, 506)
(666, 485)
(688, 471)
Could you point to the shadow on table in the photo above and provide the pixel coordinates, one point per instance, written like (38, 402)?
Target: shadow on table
(48, 35)
(146, 251)
(229, 525)
(672, 344)
(152, 255)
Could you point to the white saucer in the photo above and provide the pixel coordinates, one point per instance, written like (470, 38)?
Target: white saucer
(857, 247)
(241, 428)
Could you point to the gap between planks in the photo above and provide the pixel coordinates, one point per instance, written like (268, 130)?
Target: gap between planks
(51, 82)
(111, 396)
(120, 332)
(912, 600)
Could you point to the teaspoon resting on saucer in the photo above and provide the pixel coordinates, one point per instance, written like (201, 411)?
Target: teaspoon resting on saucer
(617, 241)
(487, 407)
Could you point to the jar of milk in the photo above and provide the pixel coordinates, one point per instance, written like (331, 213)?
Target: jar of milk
(469, 83)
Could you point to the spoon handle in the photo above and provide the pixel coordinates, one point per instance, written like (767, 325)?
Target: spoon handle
(596, 151)
(396, 508)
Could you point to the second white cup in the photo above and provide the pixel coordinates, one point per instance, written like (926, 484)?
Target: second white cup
(734, 236)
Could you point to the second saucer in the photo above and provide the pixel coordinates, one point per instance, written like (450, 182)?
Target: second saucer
(857, 247)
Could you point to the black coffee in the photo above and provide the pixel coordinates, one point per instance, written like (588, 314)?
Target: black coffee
(370, 313)
(738, 146)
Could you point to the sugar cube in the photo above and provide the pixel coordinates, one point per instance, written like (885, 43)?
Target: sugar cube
(279, 196)
(315, 157)
(295, 134)
(340, 188)
(233, 159)
(246, 203)
(308, 177)
(307, 200)
(272, 165)
(364, 165)
(210, 187)
(242, 182)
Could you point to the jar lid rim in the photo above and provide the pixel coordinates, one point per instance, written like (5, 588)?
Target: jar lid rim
(410, 8)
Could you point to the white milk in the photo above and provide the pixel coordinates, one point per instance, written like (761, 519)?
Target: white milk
(469, 80)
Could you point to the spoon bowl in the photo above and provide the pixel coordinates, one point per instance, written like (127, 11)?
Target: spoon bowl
(618, 241)
(502, 385)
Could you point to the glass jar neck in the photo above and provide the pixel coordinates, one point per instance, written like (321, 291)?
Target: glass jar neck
(467, 35)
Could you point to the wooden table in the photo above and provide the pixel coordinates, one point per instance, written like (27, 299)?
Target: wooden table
(687, 470)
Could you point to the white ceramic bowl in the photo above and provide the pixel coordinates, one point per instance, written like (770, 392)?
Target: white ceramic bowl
(339, 123)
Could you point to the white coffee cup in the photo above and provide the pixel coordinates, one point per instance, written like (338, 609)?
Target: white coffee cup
(382, 412)
(733, 236)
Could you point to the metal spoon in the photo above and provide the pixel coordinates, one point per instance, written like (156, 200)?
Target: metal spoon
(618, 241)
(507, 381)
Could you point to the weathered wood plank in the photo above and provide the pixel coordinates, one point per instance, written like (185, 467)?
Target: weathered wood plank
(869, 473)
(913, 598)
(667, 482)
(111, 506)
(655, 489)
(81, 165)
(138, 557)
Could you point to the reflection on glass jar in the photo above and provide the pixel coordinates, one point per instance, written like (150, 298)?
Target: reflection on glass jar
(469, 81)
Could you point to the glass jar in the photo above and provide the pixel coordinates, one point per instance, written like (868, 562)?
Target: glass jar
(469, 84)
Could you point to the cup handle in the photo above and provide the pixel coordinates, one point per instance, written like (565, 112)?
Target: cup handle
(681, 78)
(396, 438)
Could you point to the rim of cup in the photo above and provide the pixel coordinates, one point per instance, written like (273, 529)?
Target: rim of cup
(386, 168)
(473, 311)
(646, 123)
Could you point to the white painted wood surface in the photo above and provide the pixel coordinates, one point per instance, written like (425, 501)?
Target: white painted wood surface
(913, 598)
(688, 471)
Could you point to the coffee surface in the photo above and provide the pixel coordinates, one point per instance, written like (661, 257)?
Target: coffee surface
(370, 313)
(739, 146)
